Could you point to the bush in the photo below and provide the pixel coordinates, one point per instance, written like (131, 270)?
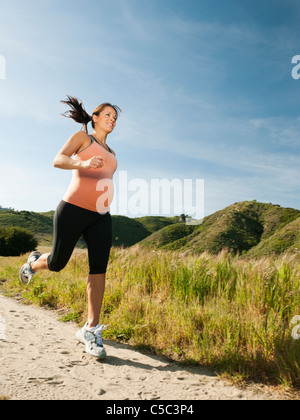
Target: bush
(15, 241)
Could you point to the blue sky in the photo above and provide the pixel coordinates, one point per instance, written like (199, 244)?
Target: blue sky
(205, 88)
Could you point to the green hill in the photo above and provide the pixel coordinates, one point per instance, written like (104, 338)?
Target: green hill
(154, 223)
(262, 228)
(286, 239)
(41, 224)
(170, 237)
(249, 228)
(126, 231)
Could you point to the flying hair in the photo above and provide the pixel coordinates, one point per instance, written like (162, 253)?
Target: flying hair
(78, 113)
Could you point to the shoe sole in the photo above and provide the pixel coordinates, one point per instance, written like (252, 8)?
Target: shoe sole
(24, 281)
(30, 260)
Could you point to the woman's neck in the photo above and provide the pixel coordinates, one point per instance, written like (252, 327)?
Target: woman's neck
(100, 137)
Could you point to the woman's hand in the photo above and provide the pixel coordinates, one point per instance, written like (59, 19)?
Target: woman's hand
(95, 162)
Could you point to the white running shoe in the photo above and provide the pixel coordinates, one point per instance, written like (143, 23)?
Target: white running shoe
(26, 273)
(92, 338)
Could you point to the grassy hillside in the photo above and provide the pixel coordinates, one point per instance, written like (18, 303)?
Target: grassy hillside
(41, 224)
(241, 227)
(170, 235)
(154, 223)
(286, 239)
(126, 231)
(249, 228)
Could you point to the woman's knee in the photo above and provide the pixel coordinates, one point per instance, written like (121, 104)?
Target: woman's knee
(56, 265)
(100, 269)
(56, 268)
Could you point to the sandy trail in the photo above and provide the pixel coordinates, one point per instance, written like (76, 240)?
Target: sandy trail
(42, 360)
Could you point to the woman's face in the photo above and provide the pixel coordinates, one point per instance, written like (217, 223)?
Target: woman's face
(106, 120)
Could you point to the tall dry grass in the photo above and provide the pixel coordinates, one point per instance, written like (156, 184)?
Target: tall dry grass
(219, 311)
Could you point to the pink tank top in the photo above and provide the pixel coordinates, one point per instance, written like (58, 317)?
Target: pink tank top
(93, 189)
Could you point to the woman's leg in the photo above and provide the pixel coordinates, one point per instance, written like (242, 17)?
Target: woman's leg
(40, 264)
(98, 238)
(95, 291)
(68, 225)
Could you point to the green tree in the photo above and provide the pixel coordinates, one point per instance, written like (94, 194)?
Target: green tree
(15, 241)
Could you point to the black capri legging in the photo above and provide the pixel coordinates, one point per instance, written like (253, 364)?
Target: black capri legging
(70, 222)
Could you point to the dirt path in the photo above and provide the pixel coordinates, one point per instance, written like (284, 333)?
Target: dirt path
(41, 360)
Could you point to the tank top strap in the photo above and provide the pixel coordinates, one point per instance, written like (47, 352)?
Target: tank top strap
(93, 139)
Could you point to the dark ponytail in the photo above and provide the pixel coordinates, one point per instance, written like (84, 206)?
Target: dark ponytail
(77, 111)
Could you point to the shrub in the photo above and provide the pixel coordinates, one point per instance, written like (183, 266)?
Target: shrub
(15, 241)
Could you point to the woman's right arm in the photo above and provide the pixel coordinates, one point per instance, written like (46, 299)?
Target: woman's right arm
(63, 159)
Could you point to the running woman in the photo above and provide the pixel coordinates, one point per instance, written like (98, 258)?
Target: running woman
(84, 210)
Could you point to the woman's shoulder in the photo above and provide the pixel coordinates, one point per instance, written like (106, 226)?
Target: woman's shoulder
(80, 140)
(80, 135)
